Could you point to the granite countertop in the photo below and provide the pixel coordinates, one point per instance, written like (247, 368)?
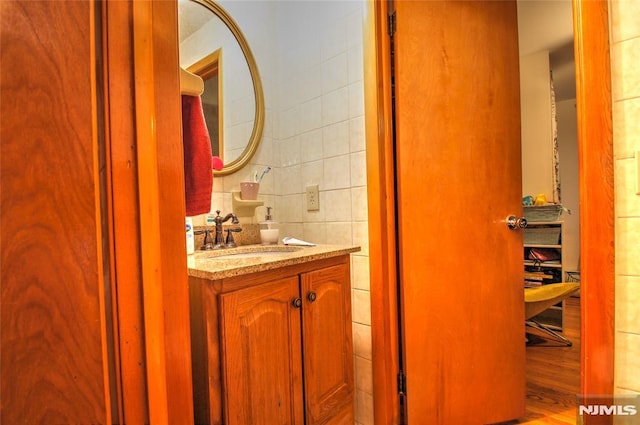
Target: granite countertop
(224, 263)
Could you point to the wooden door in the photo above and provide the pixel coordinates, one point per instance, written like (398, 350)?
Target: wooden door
(89, 336)
(55, 340)
(327, 339)
(459, 176)
(261, 354)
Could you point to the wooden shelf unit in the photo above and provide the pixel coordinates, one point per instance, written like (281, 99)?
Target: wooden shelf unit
(547, 235)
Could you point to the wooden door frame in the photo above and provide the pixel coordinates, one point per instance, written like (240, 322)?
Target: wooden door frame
(595, 147)
(597, 218)
(146, 209)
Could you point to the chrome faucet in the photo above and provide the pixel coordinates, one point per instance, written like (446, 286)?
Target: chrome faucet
(219, 238)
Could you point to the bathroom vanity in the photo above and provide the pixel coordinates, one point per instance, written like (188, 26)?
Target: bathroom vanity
(271, 335)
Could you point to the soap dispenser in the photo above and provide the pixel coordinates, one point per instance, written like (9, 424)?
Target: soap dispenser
(268, 231)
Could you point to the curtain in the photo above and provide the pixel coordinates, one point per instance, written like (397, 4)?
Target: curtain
(554, 135)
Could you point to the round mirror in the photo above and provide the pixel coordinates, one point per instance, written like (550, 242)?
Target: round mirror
(213, 47)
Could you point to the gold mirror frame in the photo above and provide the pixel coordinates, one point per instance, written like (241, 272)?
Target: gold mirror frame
(258, 123)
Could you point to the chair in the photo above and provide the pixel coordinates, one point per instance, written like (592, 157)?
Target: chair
(538, 299)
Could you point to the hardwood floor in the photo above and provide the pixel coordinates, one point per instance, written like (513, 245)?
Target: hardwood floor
(553, 374)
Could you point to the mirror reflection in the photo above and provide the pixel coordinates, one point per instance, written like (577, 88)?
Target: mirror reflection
(213, 47)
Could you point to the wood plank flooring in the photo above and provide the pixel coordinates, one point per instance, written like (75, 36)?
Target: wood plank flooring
(553, 374)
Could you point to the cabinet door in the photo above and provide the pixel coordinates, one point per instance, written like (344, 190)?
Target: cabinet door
(327, 342)
(261, 354)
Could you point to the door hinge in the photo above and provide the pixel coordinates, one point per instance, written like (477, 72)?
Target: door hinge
(391, 23)
(402, 383)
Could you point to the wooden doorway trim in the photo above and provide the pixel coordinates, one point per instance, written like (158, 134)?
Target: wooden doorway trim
(595, 137)
(595, 152)
(159, 154)
(381, 195)
(146, 211)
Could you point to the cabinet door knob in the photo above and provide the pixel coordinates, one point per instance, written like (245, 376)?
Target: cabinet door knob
(311, 296)
(297, 302)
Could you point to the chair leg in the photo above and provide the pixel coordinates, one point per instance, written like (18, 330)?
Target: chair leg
(551, 332)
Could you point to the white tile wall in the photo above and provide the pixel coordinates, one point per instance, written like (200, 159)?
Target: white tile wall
(333, 138)
(626, 126)
(337, 172)
(625, 56)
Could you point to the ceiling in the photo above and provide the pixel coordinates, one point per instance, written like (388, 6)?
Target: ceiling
(548, 25)
(192, 16)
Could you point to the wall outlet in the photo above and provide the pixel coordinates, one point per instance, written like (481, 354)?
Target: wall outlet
(313, 198)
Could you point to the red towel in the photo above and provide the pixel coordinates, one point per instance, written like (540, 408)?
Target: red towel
(198, 176)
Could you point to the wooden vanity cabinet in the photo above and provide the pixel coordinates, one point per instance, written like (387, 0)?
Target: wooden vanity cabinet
(327, 345)
(274, 347)
(261, 357)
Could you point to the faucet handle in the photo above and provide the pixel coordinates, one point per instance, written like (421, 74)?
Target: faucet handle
(230, 242)
(208, 240)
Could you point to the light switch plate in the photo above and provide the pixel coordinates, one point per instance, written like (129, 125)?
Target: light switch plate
(313, 198)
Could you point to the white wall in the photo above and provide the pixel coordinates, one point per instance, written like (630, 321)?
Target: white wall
(568, 153)
(537, 140)
(543, 25)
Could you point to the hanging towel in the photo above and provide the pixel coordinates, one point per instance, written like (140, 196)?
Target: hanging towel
(198, 177)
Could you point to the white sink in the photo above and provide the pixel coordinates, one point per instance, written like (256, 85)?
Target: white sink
(250, 254)
(253, 251)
